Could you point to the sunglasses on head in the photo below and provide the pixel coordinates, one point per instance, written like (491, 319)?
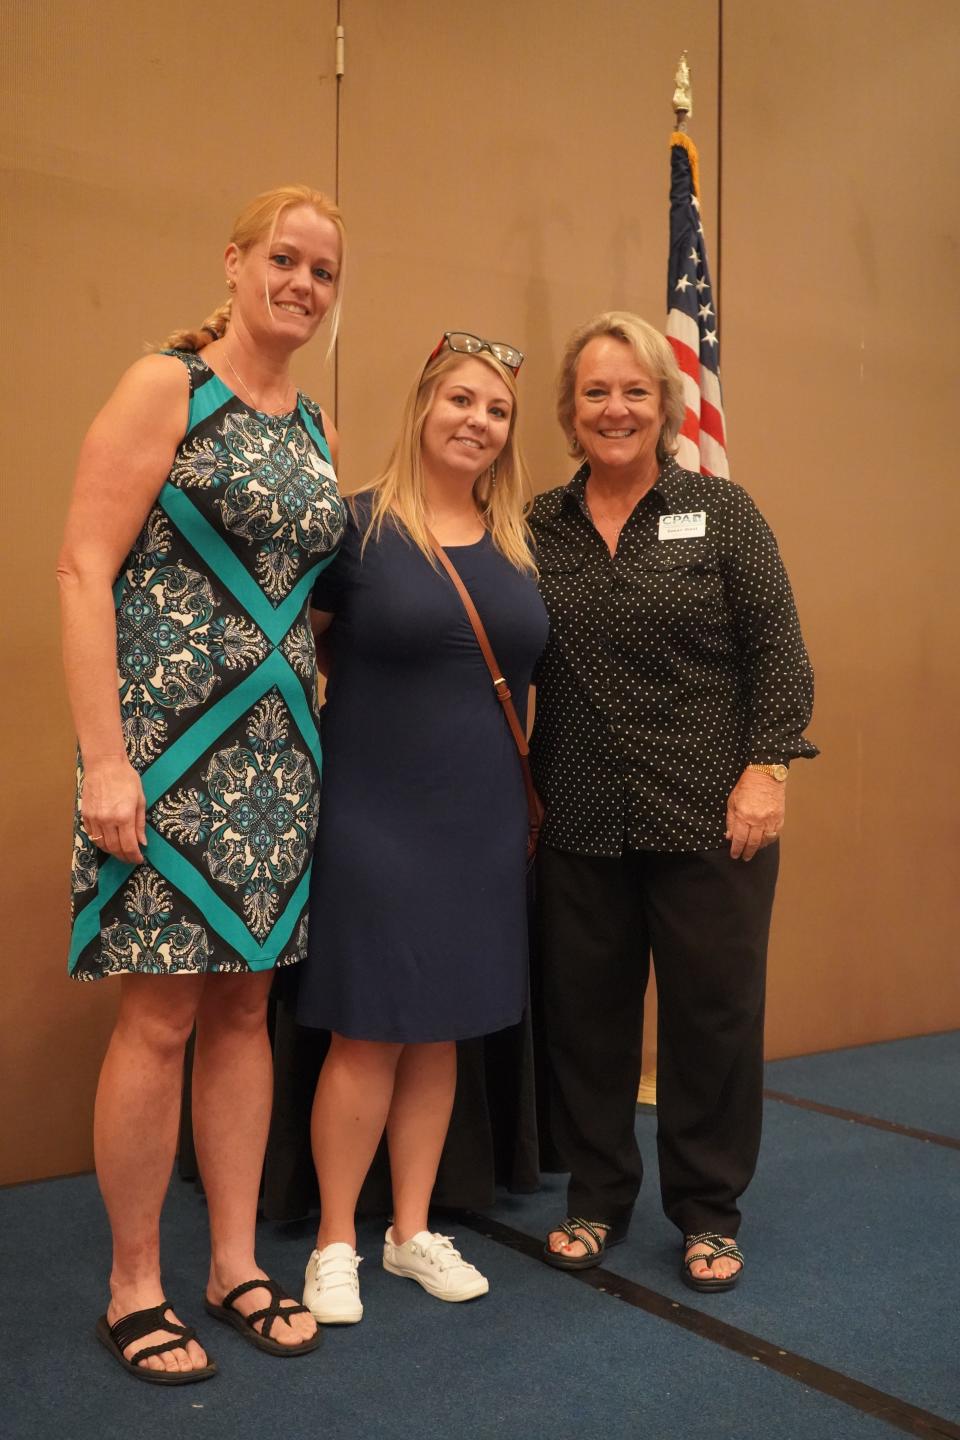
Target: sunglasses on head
(463, 343)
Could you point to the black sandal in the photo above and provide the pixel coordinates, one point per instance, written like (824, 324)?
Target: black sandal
(133, 1327)
(226, 1312)
(718, 1246)
(598, 1237)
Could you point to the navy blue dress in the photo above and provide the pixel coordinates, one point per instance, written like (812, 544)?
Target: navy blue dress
(418, 921)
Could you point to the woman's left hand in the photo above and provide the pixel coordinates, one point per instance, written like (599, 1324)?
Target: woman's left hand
(755, 811)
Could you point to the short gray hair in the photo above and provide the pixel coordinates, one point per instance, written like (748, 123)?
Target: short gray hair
(651, 349)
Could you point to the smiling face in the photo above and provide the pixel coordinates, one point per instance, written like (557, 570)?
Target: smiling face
(468, 422)
(286, 283)
(618, 409)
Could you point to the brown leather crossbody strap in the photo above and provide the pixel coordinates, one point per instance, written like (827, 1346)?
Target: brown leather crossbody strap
(500, 686)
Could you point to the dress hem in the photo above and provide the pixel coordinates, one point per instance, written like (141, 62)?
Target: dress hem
(85, 977)
(471, 1034)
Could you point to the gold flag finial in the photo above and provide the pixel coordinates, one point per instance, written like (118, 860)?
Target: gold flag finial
(682, 97)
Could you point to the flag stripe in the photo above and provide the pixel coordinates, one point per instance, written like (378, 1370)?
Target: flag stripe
(711, 420)
(691, 391)
(710, 386)
(684, 329)
(688, 453)
(687, 359)
(691, 426)
(713, 457)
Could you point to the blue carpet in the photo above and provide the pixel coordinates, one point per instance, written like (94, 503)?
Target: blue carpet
(914, 1082)
(541, 1356)
(846, 1236)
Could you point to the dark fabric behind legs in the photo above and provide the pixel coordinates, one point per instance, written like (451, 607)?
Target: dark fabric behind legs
(493, 1137)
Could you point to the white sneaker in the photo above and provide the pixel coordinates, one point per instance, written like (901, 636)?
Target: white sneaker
(331, 1290)
(432, 1261)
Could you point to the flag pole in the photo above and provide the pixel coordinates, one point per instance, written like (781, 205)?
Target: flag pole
(647, 1092)
(682, 110)
(682, 94)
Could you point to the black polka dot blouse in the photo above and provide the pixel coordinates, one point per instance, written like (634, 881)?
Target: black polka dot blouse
(670, 666)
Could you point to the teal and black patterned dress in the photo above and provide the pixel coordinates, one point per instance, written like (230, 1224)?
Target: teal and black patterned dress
(217, 678)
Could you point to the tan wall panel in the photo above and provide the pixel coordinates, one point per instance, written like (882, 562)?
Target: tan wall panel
(841, 303)
(131, 136)
(505, 169)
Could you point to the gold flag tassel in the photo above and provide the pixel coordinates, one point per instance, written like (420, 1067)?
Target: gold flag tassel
(678, 138)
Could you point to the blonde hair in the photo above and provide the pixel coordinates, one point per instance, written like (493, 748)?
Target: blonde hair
(256, 221)
(502, 500)
(654, 353)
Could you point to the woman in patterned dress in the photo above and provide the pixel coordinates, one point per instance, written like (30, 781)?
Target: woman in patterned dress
(205, 506)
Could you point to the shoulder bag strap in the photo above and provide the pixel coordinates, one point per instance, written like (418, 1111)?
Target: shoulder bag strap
(500, 686)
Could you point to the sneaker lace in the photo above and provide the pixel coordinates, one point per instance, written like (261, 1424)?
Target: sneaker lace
(333, 1271)
(440, 1252)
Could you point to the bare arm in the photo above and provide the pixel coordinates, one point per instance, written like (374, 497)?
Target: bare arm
(124, 460)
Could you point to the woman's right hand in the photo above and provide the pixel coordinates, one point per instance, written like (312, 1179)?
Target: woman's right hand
(114, 808)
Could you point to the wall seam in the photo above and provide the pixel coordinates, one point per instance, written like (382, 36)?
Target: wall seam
(719, 252)
(338, 117)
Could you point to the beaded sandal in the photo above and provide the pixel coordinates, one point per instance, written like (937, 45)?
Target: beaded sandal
(227, 1312)
(718, 1247)
(133, 1327)
(596, 1235)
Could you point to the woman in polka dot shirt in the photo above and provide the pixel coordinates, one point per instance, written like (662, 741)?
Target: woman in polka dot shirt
(671, 699)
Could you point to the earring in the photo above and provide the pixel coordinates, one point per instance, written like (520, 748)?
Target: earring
(231, 284)
(493, 472)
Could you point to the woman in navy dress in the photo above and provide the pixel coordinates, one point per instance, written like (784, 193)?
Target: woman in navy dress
(418, 902)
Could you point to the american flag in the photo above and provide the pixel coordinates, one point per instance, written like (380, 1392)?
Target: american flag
(692, 319)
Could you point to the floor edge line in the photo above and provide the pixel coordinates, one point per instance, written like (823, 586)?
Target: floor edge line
(893, 1127)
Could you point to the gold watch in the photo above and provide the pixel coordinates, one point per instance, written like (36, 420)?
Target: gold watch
(776, 772)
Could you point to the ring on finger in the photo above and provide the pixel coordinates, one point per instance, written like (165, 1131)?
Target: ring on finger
(94, 837)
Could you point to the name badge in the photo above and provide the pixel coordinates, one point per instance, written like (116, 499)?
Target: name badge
(683, 527)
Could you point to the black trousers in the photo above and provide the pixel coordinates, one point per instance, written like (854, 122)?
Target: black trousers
(706, 920)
